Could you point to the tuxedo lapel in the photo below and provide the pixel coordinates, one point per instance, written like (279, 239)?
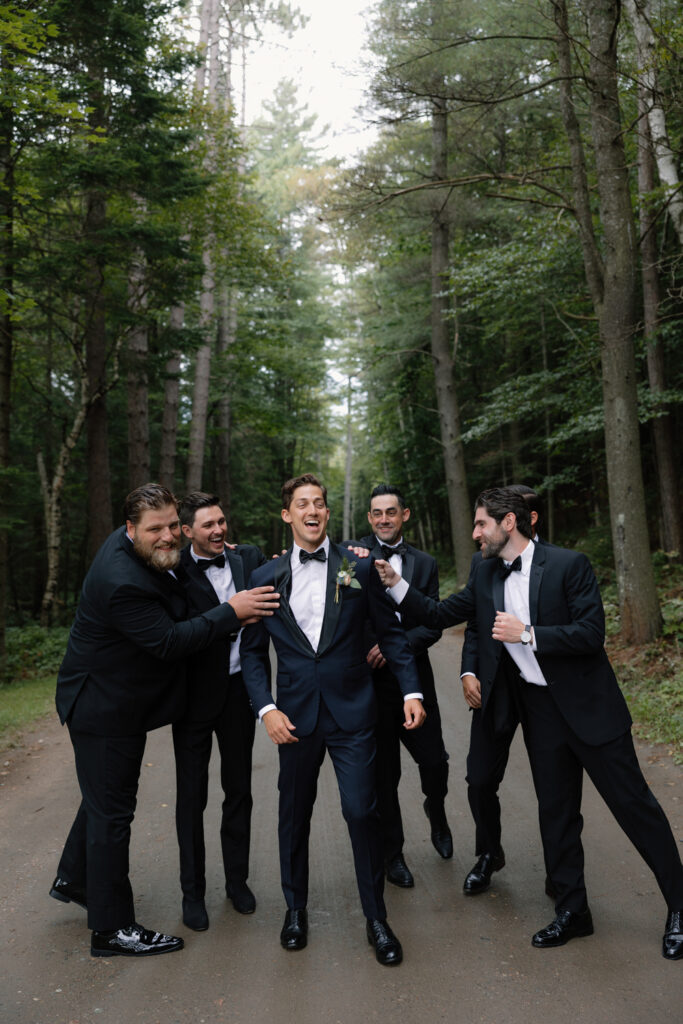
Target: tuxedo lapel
(237, 569)
(408, 566)
(332, 607)
(535, 577)
(282, 581)
(498, 591)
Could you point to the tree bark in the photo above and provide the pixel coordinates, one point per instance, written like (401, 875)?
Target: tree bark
(662, 425)
(169, 424)
(640, 615)
(446, 398)
(139, 469)
(200, 393)
(6, 323)
(641, 17)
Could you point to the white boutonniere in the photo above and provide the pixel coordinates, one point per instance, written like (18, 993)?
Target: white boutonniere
(346, 577)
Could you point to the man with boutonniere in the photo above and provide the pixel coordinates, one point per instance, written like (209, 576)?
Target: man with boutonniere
(325, 701)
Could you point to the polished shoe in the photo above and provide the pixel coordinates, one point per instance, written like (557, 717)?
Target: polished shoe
(398, 872)
(195, 915)
(294, 934)
(387, 947)
(672, 943)
(479, 878)
(442, 840)
(243, 899)
(567, 925)
(133, 941)
(67, 892)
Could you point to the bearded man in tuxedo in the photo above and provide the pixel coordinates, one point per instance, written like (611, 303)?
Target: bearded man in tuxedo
(325, 701)
(541, 632)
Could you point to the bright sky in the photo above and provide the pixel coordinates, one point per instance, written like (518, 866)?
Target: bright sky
(325, 60)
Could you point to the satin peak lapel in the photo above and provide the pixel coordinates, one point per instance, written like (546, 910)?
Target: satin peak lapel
(282, 581)
(237, 569)
(332, 608)
(408, 566)
(535, 577)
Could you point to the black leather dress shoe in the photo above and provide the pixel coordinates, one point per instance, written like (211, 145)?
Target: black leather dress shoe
(672, 943)
(479, 878)
(294, 934)
(67, 892)
(133, 941)
(387, 947)
(195, 915)
(567, 925)
(398, 872)
(442, 840)
(243, 899)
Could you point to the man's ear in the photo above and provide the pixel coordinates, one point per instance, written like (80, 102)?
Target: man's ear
(130, 528)
(285, 515)
(406, 515)
(187, 530)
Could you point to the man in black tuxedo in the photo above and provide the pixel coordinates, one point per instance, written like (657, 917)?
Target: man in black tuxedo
(388, 512)
(217, 703)
(123, 674)
(325, 701)
(545, 652)
(491, 736)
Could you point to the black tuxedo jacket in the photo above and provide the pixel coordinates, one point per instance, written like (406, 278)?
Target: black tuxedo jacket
(208, 670)
(569, 625)
(421, 570)
(337, 671)
(124, 668)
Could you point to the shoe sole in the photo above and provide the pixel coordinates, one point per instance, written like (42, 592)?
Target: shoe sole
(120, 952)
(66, 899)
(385, 963)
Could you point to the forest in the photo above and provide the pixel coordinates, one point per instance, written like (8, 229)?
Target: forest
(491, 292)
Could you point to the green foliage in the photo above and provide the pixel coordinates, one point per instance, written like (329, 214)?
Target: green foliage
(33, 650)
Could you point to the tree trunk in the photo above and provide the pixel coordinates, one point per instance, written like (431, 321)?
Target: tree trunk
(640, 615)
(446, 398)
(348, 477)
(641, 17)
(227, 332)
(662, 425)
(6, 323)
(139, 470)
(200, 394)
(169, 423)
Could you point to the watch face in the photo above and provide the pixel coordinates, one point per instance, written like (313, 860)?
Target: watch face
(526, 636)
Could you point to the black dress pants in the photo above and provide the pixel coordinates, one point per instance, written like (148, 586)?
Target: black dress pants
(426, 747)
(192, 740)
(96, 852)
(558, 758)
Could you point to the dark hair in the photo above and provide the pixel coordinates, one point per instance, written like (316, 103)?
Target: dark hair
(382, 489)
(191, 504)
(149, 496)
(498, 501)
(290, 486)
(529, 495)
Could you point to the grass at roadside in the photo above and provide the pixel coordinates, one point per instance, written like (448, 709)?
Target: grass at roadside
(650, 675)
(22, 703)
(33, 658)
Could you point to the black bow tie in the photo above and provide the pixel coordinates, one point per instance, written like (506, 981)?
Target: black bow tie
(400, 549)
(505, 570)
(206, 563)
(310, 556)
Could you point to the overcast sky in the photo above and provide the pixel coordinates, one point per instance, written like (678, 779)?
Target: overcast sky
(326, 61)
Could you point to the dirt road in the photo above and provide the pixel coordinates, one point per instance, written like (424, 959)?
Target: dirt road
(467, 960)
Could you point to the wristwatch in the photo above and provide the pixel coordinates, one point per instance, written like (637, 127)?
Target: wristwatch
(526, 635)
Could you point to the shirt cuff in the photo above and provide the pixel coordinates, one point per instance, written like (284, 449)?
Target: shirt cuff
(398, 591)
(265, 709)
(413, 696)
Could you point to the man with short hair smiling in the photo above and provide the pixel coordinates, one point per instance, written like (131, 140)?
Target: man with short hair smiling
(387, 515)
(217, 703)
(123, 674)
(325, 701)
(546, 650)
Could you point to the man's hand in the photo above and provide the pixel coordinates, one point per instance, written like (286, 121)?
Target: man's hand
(252, 605)
(507, 628)
(414, 713)
(387, 573)
(375, 658)
(360, 552)
(471, 688)
(279, 727)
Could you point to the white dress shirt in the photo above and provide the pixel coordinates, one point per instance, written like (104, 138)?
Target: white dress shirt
(222, 582)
